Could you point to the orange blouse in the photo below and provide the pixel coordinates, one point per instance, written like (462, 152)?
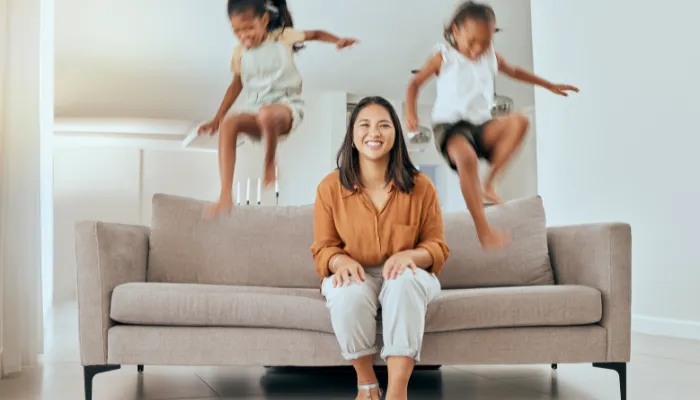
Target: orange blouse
(346, 222)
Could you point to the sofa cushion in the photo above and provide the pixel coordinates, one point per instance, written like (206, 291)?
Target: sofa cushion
(169, 304)
(525, 261)
(253, 246)
(555, 305)
(236, 306)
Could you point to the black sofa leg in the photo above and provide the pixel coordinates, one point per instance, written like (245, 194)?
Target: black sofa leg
(139, 368)
(555, 366)
(621, 369)
(90, 371)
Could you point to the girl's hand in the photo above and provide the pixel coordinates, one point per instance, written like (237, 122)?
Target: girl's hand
(349, 269)
(210, 128)
(562, 89)
(412, 122)
(396, 265)
(345, 42)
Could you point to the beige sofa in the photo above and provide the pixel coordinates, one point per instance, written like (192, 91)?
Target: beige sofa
(243, 291)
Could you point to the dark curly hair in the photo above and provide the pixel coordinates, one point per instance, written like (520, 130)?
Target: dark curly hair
(280, 17)
(469, 11)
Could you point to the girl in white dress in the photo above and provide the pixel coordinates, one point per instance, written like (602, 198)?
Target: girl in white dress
(464, 130)
(263, 64)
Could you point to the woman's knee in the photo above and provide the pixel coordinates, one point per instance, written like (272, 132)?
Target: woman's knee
(407, 283)
(420, 288)
(352, 300)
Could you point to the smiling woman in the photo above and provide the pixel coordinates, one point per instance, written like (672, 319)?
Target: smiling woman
(378, 241)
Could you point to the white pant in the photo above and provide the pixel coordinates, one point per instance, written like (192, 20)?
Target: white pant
(403, 301)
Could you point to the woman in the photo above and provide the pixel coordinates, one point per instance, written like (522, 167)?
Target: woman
(378, 242)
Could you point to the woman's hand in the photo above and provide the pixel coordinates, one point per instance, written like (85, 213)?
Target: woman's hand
(397, 264)
(347, 270)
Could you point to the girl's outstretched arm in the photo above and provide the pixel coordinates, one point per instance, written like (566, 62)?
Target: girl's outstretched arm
(431, 67)
(522, 75)
(323, 36)
(232, 93)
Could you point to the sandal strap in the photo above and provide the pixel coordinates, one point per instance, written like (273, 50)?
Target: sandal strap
(369, 387)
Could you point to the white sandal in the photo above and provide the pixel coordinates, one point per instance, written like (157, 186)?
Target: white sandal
(369, 388)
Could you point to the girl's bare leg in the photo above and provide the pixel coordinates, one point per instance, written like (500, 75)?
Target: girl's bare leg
(231, 127)
(464, 157)
(502, 137)
(365, 376)
(274, 120)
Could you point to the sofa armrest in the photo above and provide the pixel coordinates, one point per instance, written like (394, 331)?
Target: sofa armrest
(107, 255)
(599, 256)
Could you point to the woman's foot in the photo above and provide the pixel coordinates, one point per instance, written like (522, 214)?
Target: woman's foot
(494, 239)
(490, 195)
(369, 392)
(224, 205)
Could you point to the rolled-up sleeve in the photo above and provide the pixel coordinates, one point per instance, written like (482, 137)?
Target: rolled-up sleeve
(327, 242)
(432, 233)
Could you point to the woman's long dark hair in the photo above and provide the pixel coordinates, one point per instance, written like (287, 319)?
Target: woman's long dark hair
(401, 170)
(280, 17)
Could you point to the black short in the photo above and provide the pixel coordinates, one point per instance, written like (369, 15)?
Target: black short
(473, 133)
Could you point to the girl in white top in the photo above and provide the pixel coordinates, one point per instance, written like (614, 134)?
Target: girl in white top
(464, 129)
(263, 64)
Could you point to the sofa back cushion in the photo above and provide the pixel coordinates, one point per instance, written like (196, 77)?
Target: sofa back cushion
(525, 261)
(253, 246)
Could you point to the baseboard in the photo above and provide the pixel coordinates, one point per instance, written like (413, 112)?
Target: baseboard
(666, 327)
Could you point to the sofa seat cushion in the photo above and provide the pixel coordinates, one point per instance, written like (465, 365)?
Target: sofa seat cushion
(169, 304)
(524, 306)
(172, 304)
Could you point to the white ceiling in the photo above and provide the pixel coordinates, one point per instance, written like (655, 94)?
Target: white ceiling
(169, 58)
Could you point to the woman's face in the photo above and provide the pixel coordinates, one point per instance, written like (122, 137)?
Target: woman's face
(374, 133)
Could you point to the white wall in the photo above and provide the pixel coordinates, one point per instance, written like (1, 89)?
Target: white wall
(116, 184)
(90, 184)
(625, 149)
(3, 78)
(22, 114)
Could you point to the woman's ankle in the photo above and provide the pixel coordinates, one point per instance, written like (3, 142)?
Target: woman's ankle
(363, 392)
(396, 394)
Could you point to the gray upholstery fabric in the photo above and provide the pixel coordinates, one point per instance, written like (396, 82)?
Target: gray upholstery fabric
(514, 307)
(285, 347)
(172, 304)
(254, 246)
(599, 256)
(164, 304)
(503, 308)
(525, 261)
(107, 255)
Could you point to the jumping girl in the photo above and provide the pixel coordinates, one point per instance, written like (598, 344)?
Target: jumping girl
(263, 64)
(463, 126)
